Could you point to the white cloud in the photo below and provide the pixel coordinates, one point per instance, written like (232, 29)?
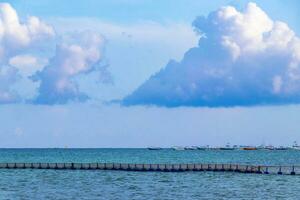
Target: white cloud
(27, 64)
(79, 54)
(15, 38)
(8, 76)
(244, 58)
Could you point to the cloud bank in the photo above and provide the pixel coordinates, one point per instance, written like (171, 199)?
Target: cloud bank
(243, 58)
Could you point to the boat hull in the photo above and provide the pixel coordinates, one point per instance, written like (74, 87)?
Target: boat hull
(249, 148)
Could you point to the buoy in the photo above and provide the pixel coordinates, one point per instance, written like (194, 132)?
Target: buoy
(222, 169)
(246, 170)
(215, 168)
(293, 171)
(266, 172)
(259, 170)
(236, 168)
(279, 172)
(230, 168)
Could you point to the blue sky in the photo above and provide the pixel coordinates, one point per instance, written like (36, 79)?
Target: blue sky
(114, 47)
(132, 10)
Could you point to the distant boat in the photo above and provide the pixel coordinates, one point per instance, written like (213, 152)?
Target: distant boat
(295, 146)
(282, 148)
(227, 147)
(249, 148)
(261, 147)
(178, 148)
(203, 147)
(269, 147)
(154, 148)
(191, 148)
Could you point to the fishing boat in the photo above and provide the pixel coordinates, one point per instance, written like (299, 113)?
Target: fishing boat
(261, 147)
(227, 147)
(281, 148)
(249, 148)
(191, 148)
(203, 147)
(296, 146)
(269, 147)
(154, 148)
(177, 148)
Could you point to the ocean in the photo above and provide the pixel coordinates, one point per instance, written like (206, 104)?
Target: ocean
(97, 184)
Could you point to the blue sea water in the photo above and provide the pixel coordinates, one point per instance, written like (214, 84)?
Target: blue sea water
(97, 184)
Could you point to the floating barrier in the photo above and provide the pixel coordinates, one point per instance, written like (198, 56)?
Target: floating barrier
(241, 168)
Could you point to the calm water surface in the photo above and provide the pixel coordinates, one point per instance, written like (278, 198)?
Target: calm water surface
(60, 184)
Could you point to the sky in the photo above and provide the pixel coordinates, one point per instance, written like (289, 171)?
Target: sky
(130, 73)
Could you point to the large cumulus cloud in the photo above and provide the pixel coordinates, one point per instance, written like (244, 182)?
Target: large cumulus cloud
(79, 54)
(15, 39)
(243, 58)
